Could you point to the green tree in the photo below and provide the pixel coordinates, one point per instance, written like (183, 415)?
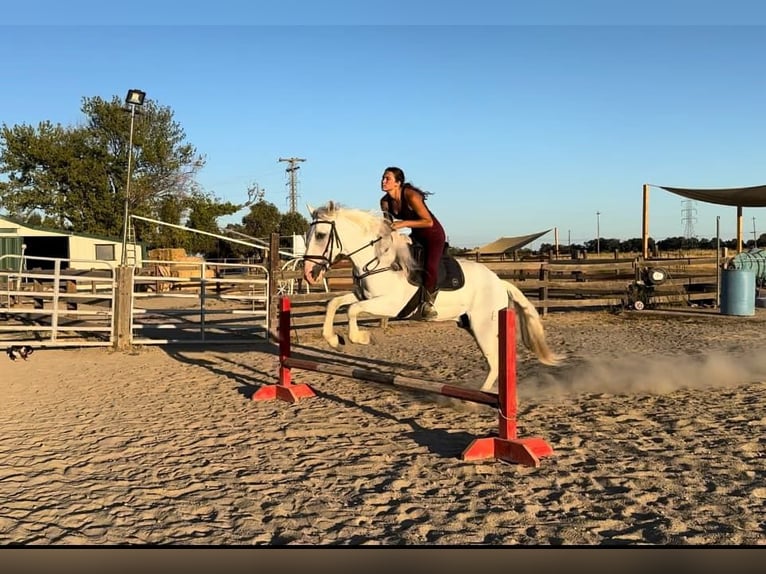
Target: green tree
(257, 225)
(634, 245)
(204, 211)
(262, 220)
(169, 210)
(671, 243)
(77, 176)
(293, 223)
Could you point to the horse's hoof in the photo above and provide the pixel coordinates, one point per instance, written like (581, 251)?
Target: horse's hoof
(362, 339)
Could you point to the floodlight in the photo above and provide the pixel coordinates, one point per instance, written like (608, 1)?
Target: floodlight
(135, 97)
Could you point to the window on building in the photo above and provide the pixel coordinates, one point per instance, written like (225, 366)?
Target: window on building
(105, 252)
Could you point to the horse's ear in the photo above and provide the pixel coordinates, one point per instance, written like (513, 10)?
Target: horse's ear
(311, 210)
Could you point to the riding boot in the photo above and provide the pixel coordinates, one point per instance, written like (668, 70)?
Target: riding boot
(427, 310)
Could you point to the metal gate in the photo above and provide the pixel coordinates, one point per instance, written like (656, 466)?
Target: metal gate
(43, 305)
(199, 302)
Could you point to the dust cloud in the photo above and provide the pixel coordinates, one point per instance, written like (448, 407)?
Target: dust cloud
(645, 375)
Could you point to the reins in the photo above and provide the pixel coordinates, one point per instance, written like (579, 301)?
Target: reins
(327, 260)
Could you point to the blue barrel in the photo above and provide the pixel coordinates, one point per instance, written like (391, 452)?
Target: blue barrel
(738, 292)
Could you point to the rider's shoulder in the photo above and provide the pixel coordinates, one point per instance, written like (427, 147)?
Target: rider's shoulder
(411, 192)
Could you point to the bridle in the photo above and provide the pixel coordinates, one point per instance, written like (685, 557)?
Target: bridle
(328, 257)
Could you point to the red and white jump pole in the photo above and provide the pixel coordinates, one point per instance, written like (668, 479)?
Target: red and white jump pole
(505, 446)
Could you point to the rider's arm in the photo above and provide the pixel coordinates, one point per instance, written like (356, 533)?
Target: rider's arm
(415, 201)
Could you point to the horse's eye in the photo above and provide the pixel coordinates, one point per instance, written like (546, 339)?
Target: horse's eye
(320, 236)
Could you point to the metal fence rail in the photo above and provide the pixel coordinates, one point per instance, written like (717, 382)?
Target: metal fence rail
(200, 302)
(42, 304)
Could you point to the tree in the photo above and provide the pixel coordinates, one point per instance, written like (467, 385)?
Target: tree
(203, 214)
(634, 245)
(77, 176)
(671, 243)
(262, 220)
(258, 224)
(293, 223)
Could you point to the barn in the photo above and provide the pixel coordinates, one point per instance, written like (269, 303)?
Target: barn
(77, 251)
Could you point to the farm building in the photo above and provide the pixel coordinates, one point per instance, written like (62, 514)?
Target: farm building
(79, 251)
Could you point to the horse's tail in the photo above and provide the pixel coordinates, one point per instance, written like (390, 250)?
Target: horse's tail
(532, 332)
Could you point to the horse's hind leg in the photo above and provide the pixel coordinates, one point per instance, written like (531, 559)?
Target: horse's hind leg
(484, 329)
(328, 328)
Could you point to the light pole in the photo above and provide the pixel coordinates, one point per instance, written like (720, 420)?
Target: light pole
(755, 238)
(133, 99)
(598, 233)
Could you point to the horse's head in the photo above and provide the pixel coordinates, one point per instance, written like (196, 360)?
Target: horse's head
(336, 232)
(323, 245)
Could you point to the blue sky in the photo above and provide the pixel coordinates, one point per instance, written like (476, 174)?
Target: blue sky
(517, 118)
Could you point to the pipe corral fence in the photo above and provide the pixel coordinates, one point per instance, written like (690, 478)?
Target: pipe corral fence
(43, 303)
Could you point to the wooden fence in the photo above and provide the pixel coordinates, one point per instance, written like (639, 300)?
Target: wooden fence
(550, 284)
(584, 283)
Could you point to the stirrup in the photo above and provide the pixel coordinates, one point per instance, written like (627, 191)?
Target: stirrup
(427, 311)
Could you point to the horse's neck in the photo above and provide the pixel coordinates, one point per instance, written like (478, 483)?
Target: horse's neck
(362, 253)
(366, 255)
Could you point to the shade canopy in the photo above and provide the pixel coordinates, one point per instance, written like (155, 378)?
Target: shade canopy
(735, 196)
(506, 244)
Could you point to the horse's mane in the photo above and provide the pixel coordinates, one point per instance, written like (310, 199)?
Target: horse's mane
(374, 225)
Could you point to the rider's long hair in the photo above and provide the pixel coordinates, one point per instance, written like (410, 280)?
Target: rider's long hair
(399, 178)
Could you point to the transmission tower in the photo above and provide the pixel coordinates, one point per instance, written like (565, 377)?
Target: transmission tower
(291, 170)
(688, 217)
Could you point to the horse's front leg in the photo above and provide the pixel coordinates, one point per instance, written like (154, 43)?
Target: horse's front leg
(328, 330)
(379, 306)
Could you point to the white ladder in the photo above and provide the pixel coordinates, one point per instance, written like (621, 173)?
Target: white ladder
(130, 248)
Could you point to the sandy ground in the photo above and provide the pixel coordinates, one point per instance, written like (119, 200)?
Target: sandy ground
(656, 421)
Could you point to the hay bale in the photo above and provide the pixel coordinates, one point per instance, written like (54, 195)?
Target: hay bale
(168, 254)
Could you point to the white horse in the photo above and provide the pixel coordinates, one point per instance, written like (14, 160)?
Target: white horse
(382, 263)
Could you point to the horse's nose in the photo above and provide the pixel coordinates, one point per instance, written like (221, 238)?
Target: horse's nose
(310, 271)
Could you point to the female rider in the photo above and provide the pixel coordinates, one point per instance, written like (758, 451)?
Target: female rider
(405, 203)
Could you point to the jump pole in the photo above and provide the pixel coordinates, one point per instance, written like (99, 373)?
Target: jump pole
(506, 446)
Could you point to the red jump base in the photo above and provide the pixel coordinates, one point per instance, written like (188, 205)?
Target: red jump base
(526, 451)
(289, 393)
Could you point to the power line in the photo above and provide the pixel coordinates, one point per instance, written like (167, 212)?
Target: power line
(292, 170)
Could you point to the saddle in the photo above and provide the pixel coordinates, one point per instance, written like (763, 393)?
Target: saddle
(449, 277)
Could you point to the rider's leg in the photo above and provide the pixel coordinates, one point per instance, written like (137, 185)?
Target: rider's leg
(427, 310)
(430, 271)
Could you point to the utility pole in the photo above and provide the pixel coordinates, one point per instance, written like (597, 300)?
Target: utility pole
(755, 237)
(598, 233)
(291, 173)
